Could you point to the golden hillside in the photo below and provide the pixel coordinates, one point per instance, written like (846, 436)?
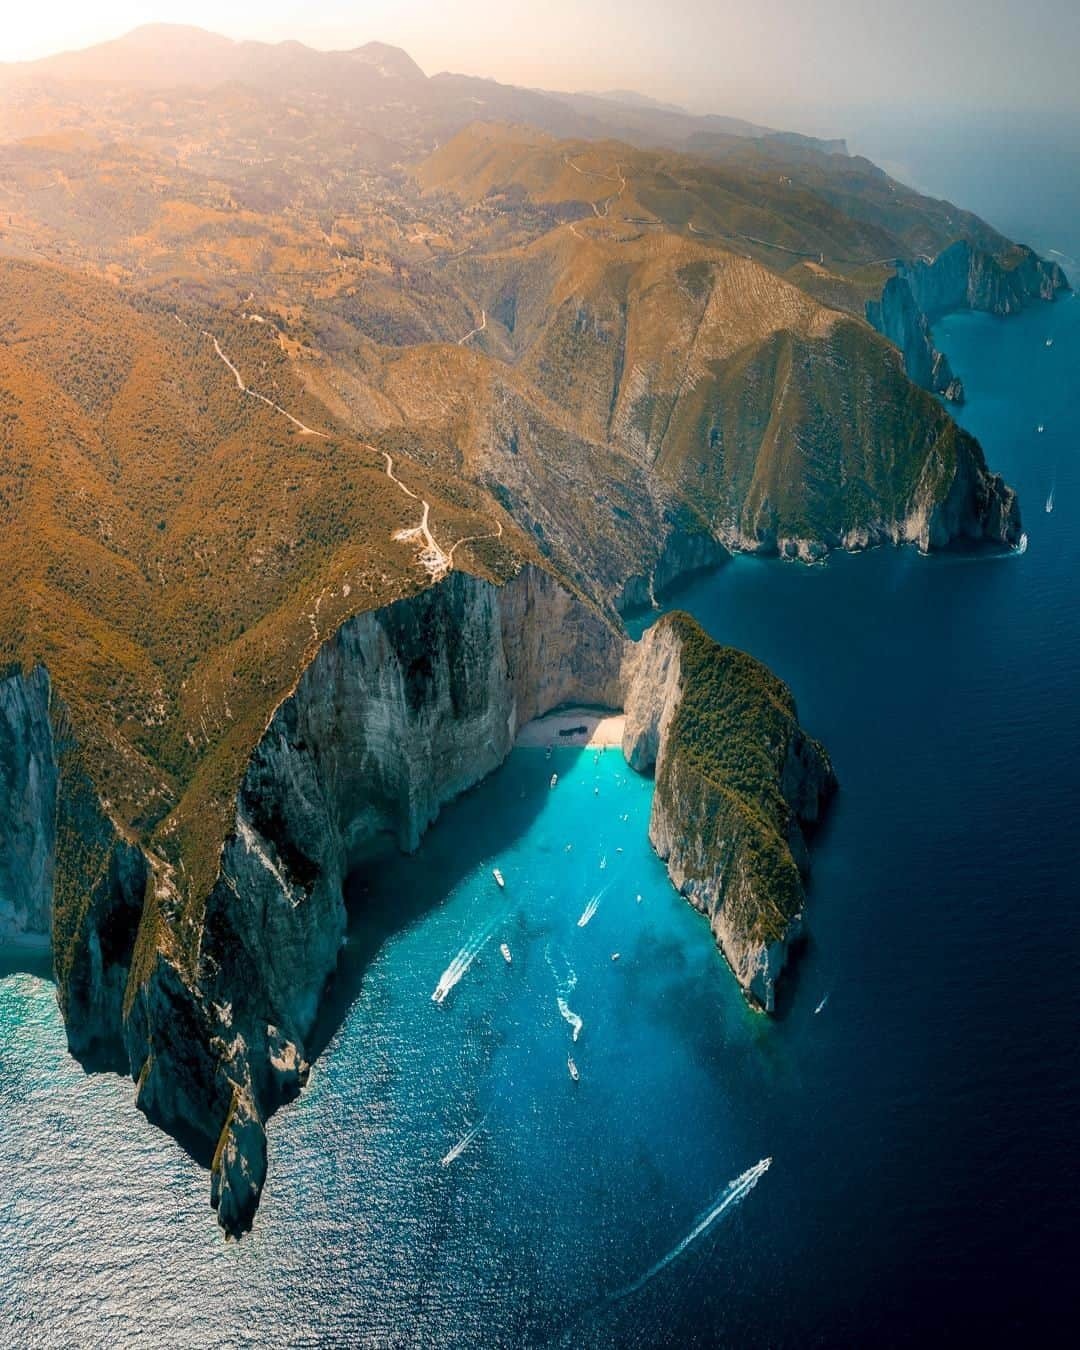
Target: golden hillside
(177, 547)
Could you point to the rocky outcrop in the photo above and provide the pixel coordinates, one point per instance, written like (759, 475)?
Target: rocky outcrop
(28, 785)
(961, 277)
(737, 780)
(405, 708)
(900, 319)
(211, 1008)
(685, 553)
(954, 501)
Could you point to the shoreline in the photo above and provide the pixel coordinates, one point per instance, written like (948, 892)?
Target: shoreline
(591, 728)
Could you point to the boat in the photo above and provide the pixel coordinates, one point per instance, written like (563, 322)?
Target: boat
(638, 898)
(603, 862)
(498, 876)
(1039, 427)
(554, 780)
(1049, 342)
(614, 956)
(1050, 502)
(573, 1068)
(505, 953)
(547, 753)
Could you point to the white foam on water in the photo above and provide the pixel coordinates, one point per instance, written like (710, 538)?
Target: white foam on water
(569, 1016)
(462, 1144)
(464, 959)
(734, 1192)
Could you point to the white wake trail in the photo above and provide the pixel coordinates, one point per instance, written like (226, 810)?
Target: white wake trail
(732, 1194)
(464, 959)
(462, 1144)
(591, 908)
(568, 1015)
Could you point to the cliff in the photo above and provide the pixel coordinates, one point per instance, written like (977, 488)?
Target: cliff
(962, 276)
(209, 1005)
(401, 710)
(736, 781)
(28, 781)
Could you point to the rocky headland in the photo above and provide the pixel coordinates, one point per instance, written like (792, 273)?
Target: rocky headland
(209, 1008)
(963, 276)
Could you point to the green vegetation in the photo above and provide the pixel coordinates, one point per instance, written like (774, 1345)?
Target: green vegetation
(727, 748)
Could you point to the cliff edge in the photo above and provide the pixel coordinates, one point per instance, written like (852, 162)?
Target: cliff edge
(962, 276)
(737, 780)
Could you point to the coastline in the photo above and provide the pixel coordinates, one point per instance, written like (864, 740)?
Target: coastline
(593, 728)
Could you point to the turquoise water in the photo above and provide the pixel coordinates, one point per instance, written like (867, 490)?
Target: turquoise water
(923, 1182)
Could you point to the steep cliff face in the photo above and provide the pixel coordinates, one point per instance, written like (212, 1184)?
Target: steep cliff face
(210, 1007)
(961, 277)
(28, 784)
(899, 318)
(736, 781)
(405, 708)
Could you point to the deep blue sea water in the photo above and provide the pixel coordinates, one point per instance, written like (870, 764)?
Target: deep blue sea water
(922, 1125)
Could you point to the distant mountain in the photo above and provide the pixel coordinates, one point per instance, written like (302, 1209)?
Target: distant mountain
(170, 54)
(167, 55)
(633, 99)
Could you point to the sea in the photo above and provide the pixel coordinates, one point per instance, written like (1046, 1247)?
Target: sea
(891, 1160)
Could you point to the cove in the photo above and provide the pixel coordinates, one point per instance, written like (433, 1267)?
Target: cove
(918, 1124)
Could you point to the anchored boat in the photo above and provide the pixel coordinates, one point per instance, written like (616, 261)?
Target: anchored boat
(573, 1068)
(498, 876)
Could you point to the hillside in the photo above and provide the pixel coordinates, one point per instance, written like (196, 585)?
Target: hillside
(178, 550)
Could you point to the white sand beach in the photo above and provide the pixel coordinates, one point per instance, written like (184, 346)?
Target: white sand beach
(574, 726)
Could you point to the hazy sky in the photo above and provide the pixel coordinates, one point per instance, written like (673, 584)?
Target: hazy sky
(794, 61)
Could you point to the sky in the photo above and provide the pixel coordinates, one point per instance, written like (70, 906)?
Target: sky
(810, 64)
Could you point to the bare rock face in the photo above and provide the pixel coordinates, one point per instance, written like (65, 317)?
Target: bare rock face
(404, 709)
(737, 779)
(960, 277)
(28, 786)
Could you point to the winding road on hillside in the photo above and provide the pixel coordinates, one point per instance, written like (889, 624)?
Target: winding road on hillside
(433, 559)
(616, 177)
(473, 332)
(303, 428)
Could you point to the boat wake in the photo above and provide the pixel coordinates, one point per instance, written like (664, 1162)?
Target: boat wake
(732, 1194)
(464, 959)
(1050, 500)
(591, 908)
(821, 1005)
(565, 986)
(462, 1144)
(570, 1017)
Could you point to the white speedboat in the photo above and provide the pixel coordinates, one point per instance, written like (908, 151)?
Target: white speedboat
(554, 780)
(498, 876)
(573, 1068)
(614, 956)
(505, 953)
